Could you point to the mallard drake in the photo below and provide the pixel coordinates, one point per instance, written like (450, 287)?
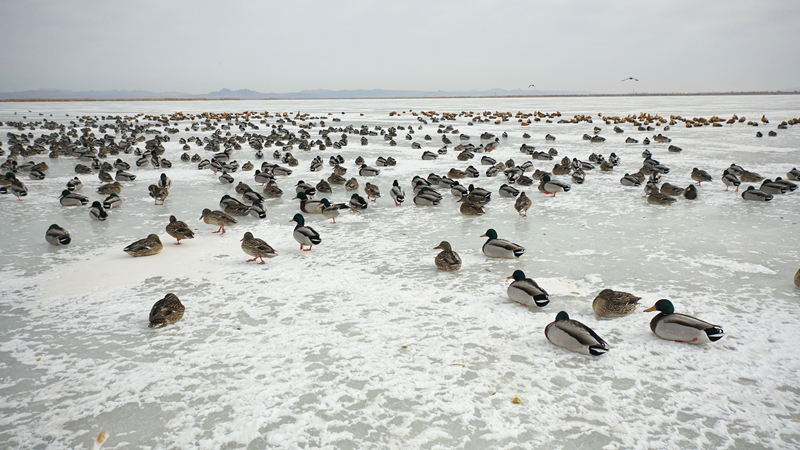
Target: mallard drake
(526, 291)
(305, 188)
(97, 212)
(263, 177)
(680, 327)
(459, 190)
(789, 185)
(470, 208)
(164, 182)
(226, 178)
(272, 190)
(427, 197)
(351, 184)
(75, 184)
(303, 234)
(579, 176)
(158, 194)
(771, 187)
(280, 171)
(700, 176)
(373, 191)
(110, 188)
(630, 180)
(479, 195)
(166, 311)
(447, 259)
(657, 198)
(252, 196)
(151, 245)
(574, 336)
(112, 201)
(500, 248)
(258, 210)
(124, 176)
(68, 198)
(398, 193)
(793, 174)
(121, 165)
(610, 303)
(671, 190)
(57, 235)
(508, 191)
(730, 179)
(179, 230)
(690, 193)
(217, 218)
(366, 171)
(522, 204)
(552, 186)
(357, 203)
(331, 210)
(257, 248)
(324, 187)
(17, 188)
(35, 174)
(308, 206)
(756, 194)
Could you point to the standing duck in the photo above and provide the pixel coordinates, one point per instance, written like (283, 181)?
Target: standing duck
(398, 193)
(57, 235)
(308, 206)
(447, 259)
(500, 248)
(151, 245)
(552, 186)
(522, 204)
(373, 191)
(331, 210)
(526, 291)
(179, 230)
(217, 218)
(730, 179)
(158, 193)
(166, 311)
(680, 327)
(303, 234)
(256, 248)
(700, 176)
(609, 303)
(575, 336)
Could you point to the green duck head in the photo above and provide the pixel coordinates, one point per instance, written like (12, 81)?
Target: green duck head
(325, 202)
(518, 275)
(64, 193)
(299, 219)
(562, 315)
(490, 233)
(302, 196)
(663, 305)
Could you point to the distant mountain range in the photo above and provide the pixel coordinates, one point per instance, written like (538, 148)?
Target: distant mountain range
(247, 94)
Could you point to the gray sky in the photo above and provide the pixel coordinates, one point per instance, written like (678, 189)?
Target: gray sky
(198, 47)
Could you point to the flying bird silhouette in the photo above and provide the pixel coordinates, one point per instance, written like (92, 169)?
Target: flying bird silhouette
(631, 78)
(531, 85)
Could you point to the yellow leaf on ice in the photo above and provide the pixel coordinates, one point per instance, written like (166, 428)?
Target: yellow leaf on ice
(517, 400)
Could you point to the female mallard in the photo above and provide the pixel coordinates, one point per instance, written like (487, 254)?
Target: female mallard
(574, 336)
(552, 186)
(166, 311)
(57, 235)
(179, 230)
(797, 278)
(526, 291)
(456, 173)
(151, 245)
(331, 210)
(447, 259)
(68, 198)
(158, 194)
(398, 193)
(109, 188)
(522, 204)
(373, 191)
(756, 194)
(256, 248)
(680, 327)
(217, 218)
(657, 198)
(324, 187)
(105, 177)
(112, 201)
(500, 248)
(97, 212)
(609, 303)
(272, 190)
(336, 179)
(671, 190)
(470, 208)
(308, 206)
(700, 176)
(303, 234)
(351, 185)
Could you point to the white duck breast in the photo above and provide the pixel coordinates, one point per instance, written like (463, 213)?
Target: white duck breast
(575, 336)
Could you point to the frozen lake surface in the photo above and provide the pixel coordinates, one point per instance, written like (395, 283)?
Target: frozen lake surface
(361, 343)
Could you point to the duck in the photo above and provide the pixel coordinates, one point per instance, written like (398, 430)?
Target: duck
(109, 188)
(257, 248)
(166, 311)
(500, 248)
(630, 180)
(730, 179)
(151, 245)
(35, 174)
(217, 218)
(793, 174)
(447, 259)
(57, 235)
(522, 204)
(398, 193)
(789, 185)
(459, 190)
(700, 176)
(97, 212)
(680, 327)
(579, 176)
(336, 179)
(331, 210)
(657, 198)
(303, 234)
(367, 171)
(124, 176)
(508, 191)
(526, 291)
(263, 177)
(552, 187)
(105, 177)
(226, 178)
(159, 194)
(797, 278)
(235, 208)
(690, 193)
(351, 184)
(68, 198)
(771, 187)
(671, 190)
(470, 208)
(242, 187)
(112, 201)
(306, 188)
(756, 194)
(17, 188)
(575, 336)
(357, 203)
(258, 210)
(75, 184)
(164, 182)
(456, 173)
(179, 230)
(308, 206)
(252, 196)
(280, 171)
(479, 195)
(427, 197)
(373, 191)
(272, 190)
(324, 187)
(610, 303)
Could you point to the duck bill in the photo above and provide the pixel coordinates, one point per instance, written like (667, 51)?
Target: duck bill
(652, 308)
(483, 235)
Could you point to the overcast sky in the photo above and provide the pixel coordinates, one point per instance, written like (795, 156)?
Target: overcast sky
(198, 47)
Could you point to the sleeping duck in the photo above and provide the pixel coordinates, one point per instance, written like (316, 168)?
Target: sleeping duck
(575, 336)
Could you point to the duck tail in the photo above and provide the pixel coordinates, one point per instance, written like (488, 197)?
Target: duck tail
(597, 350)
(714, 333)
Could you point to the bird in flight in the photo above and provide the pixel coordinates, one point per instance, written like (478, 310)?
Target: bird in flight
(631, 78)
(531, 85)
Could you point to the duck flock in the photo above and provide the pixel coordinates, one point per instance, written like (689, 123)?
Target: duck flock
(263, 159)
